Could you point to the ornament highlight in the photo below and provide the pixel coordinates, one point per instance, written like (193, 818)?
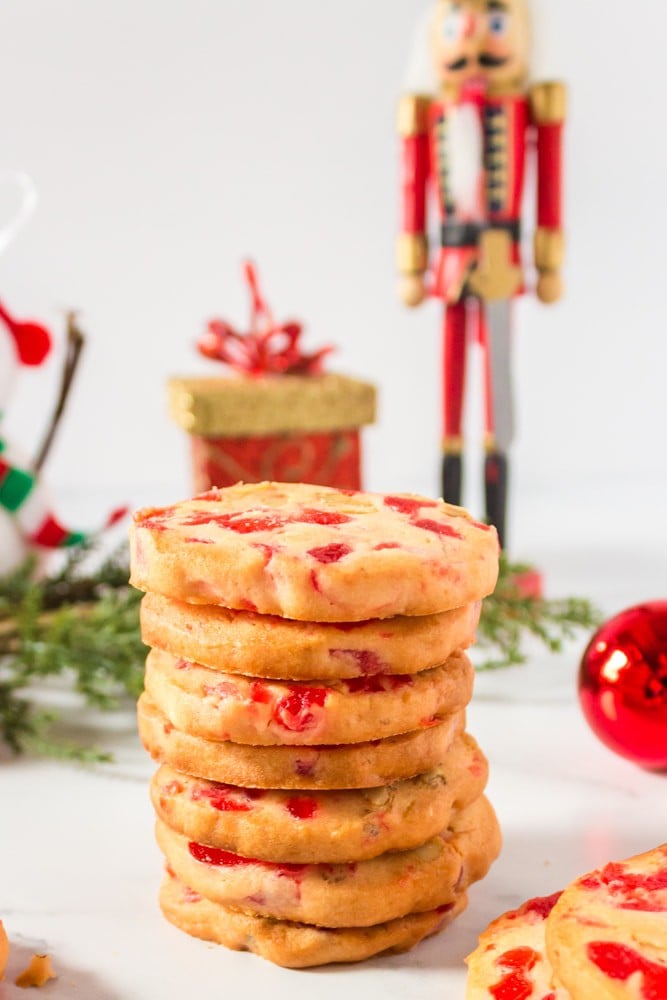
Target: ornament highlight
(623, 684)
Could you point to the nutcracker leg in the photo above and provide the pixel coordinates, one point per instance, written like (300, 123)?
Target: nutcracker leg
(454, 361)
(495, 335)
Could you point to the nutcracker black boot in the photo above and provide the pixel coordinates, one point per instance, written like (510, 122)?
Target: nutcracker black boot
(495, 491)
(452, 478)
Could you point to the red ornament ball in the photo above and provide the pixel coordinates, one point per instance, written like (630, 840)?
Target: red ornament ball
(623, 684)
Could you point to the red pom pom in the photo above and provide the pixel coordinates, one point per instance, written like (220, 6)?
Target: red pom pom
(623, 684)
(33, 342)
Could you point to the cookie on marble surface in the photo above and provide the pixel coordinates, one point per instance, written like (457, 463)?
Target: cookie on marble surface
(510, 961)
(607, 935)
(357, 765)
(242, 642)
(261, 712)
(294, 945)
(314, 553)
(343, 895)
(334, 826)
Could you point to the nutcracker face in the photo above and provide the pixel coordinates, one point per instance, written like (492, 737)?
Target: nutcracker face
(480, 40)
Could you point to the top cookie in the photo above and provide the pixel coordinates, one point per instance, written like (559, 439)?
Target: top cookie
(312, 553)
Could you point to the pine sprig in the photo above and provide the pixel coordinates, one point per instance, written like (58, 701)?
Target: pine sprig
(78, 625)
(509, 616)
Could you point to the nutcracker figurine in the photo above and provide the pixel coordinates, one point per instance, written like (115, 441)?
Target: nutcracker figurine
(467, 140)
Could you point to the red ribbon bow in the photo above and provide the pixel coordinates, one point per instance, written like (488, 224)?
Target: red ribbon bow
(268, 348)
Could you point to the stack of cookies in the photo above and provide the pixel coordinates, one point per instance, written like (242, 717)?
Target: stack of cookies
(318, 798)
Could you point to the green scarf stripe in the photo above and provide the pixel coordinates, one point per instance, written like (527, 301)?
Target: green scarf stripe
(15, 489)
(74, 538)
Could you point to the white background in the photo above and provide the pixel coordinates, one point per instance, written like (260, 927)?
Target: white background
(170, 138)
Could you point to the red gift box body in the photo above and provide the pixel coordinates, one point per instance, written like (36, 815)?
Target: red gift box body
(332, 458)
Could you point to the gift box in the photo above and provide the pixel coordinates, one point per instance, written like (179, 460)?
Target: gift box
(274, 414)
(288, 428)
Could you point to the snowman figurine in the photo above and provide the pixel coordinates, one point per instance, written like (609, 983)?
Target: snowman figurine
(26, 519)
(27, 522)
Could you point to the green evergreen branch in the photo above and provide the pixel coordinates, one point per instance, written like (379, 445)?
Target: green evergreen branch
(510, 616)
(80, 625)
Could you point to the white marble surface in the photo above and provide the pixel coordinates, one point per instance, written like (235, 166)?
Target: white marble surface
(79, 871)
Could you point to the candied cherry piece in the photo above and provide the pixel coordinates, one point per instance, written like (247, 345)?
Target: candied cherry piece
(301, 807)
(294, 711)
(331, 553)
(408, 505)
(445, 530)
(516, 984)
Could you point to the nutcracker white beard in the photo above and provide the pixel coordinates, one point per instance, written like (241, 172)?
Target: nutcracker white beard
(466, 173)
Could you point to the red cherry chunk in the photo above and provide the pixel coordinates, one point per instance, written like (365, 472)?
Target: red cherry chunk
(311, 516)
(301, 807)
(620, 962)
(224, 798)
(377, 683)
(366, 660)
(408, 505)
(158, 520)
(515, 985)
(214, 856)
(630, 890)
(226, 859)
(518, 958)
(243, 524)
(294, 711)
(259, 693)
(304, 768)
(541, 905)
(437, 528)
(330, 553)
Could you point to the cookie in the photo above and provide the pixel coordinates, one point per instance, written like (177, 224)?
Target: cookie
(607, 935)
(313, 553)
(241, 642)
(219, 706)
(342, 895)
(357, 765)
(510, 961)
(334, 826)
(297, 946)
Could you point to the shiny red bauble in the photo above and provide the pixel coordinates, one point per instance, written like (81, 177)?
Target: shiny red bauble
(623, 684)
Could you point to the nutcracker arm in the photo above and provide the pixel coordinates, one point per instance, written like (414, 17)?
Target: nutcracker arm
(548, 104)
(412, 250)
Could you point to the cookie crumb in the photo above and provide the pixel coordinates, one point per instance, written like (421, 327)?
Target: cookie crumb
(38, 972)
(4, 950)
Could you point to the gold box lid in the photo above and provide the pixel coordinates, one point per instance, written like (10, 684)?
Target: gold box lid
(250, 407)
